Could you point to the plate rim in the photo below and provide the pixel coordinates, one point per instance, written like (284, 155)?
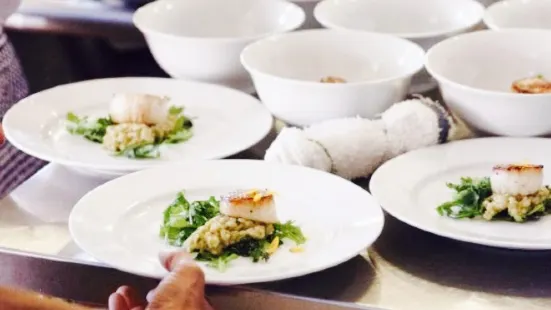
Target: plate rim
(512, 245)
(379, 219)
(261, 134)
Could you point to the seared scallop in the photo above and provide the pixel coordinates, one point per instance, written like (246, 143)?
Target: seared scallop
(139, 109)
(255, 205)
(513, 179)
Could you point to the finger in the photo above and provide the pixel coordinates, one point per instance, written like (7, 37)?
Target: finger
(184, 270)
(117, 302)
(130, 296)
(184, 285)
(170, 260)
(151, 295)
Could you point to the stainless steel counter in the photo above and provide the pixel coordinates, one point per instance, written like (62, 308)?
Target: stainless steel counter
(77, 17)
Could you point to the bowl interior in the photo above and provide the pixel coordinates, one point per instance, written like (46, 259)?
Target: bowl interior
(312, 54)
(491, 60)
(218, 18)
(405, 18)
(519, 14)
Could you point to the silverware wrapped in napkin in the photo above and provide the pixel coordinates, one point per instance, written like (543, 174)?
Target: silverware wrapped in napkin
(355, 147)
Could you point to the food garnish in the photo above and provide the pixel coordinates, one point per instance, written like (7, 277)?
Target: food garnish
(532, 85)
(213, 231)
(513, 192)
(332, 79)
(136, 126)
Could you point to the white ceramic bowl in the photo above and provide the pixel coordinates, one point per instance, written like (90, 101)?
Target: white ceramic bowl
(475, 72)
(425, 22)
(202, 39)
(286, 70)
(519, 14)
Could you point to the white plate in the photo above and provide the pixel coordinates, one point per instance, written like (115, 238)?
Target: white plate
(225, 122)
(118, 223)
(411, 186)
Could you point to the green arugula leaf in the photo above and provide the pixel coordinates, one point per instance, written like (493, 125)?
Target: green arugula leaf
(178, 137)
(93, 130)
(141, 152)
(467, 202)
(174, 110)
(289, 231)
(182, 218)
(220, 263)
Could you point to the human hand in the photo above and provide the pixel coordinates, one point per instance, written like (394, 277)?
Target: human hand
(182, 289)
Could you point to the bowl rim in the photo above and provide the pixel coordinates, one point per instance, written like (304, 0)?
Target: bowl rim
(146, 30)
(489, 19)
(441, 79)
(323, 20)
(254, 71)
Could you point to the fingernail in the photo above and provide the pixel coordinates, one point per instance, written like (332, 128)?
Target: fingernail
(165, 255)
(123, 290)
(169, 259)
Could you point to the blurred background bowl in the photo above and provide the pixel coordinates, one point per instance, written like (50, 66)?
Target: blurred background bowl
(519, 14)
(202, 39)
(475, 72)
(286, 70)
(487, 2)
(425, 22)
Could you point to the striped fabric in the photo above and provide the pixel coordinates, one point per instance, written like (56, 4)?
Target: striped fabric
(15, 166)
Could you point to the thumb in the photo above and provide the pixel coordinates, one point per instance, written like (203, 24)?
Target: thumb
(171, 260)
(183, 287)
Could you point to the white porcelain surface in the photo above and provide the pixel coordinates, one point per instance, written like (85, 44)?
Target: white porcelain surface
(202, 39)
(120, 227)
(425, 22)
(411, 186)
(519, 14)
(475, 72)
(286, 70)
(36, 125)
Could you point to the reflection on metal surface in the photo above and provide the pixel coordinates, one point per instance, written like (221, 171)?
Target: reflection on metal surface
(232, 298)
(32, 23)
(76, 17)
(415, 270)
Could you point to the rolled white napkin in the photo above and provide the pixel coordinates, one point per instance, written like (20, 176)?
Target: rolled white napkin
(292, 146)
(410, 125)
(355, 147)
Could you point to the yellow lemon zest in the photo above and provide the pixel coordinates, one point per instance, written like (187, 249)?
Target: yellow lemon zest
(257, 197)
(274, 245)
